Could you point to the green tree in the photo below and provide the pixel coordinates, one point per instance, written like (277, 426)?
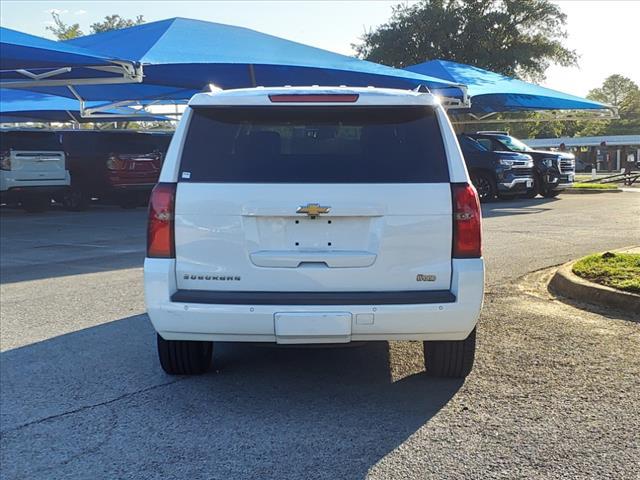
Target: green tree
(61, 30)
(616, 90)
(622, 93)
(513, 37)
(115, 22)
(64, 31)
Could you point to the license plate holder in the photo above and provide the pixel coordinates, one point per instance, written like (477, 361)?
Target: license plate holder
(312, 327)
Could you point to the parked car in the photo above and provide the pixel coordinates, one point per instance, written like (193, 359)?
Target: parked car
(32, 168)
(114, 166)
(504, 174)
(553, 171)
(314, 215)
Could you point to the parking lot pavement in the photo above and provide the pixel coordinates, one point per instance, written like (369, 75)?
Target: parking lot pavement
(57, 243)
(555, 392)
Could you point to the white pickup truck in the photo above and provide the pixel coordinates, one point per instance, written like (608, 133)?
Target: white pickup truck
(314, 215)
(32, 168)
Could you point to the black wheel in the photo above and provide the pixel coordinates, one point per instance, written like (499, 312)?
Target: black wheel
(485, 186)
(36, 204)
(75, 200)
(182, 357)
(450, 358)
(551, 193)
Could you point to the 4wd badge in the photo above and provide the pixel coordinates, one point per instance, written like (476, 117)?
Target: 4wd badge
(425, 278)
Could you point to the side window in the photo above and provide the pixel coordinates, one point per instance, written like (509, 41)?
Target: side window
(499, 146)
(486, 143)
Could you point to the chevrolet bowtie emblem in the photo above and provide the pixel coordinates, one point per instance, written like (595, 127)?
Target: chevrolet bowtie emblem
(313, 209)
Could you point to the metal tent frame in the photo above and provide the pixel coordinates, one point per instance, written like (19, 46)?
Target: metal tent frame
(124, 72)
(609, 113)
(108, 110)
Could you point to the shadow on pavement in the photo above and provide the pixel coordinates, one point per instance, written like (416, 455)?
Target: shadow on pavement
(525, 206)
(96, 400)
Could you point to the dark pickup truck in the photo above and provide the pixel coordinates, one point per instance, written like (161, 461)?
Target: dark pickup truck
(553, 171)
(503, 174)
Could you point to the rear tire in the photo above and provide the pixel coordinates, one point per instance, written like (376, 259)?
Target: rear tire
(485, 186)
(36, 204)
(450, 358)
(183, 357)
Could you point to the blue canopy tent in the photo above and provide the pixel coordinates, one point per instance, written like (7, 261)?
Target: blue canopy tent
(491, 93)
(28, 61)
(17, 106)
(189, 55)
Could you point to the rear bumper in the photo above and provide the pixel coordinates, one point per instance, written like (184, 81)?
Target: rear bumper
(10, 183)
(450, 315)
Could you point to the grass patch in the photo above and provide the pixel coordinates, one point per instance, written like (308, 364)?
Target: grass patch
(617, 270)
(595, 186)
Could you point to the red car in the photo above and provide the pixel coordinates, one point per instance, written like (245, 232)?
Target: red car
(113, 166)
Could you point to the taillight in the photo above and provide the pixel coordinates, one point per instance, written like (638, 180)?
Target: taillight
(5, 161)
(314, 98)
(467, 230)
(160, 232)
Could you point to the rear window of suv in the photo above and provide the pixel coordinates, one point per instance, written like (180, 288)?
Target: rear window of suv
(314, 145)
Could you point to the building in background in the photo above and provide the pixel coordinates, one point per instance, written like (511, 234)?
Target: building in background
(621, 148)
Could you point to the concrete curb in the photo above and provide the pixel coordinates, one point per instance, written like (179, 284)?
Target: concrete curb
(564, 282)
(588, 191)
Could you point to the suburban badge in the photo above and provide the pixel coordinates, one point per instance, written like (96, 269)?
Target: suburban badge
(224, 278)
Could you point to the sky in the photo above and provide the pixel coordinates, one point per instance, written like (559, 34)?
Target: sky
(602, 32)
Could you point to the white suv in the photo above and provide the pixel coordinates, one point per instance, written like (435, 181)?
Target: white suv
(32, 168)
(314, 215)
